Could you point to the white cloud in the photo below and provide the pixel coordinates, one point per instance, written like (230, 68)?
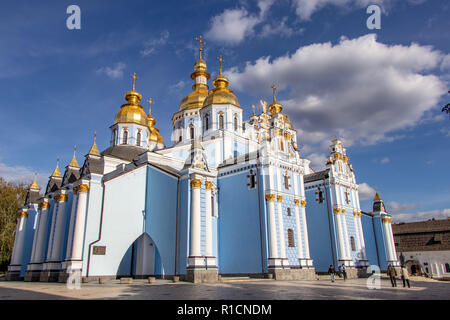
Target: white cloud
(114, 72)
(366, 192)
(385, 160)
(306, 8)
(232, 26)
(421, 216)
(279, 28)
(150, 46)
(364, 89)
(445, 132)
(445, 65)
(395, 206)
(22, 174)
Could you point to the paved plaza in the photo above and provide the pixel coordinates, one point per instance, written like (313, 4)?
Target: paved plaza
(422, 289)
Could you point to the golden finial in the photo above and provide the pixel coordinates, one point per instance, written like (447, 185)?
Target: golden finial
(150, 102)
(201, 43)
(134, 79)
(220, 62)
(34, 185)
(274, 92)
(94, 150)
(73, 162)
(56, 172)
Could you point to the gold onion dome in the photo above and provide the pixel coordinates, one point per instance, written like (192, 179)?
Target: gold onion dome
(200, 90)
(132, 112)
(221, 94)
(275, 107)
(154, 133)
(377, 197)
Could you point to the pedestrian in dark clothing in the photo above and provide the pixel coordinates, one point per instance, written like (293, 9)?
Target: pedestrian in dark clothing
(332, 271)
(405, 277)
(344, 272)
(392, 273)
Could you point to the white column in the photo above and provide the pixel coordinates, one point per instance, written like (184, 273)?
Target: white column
(72, 224)
(342, 252)
(42, 232)
(20, 238)
(80, 220)
(52, 229)
(208, 219)
(305, 230)
(35, 237)
(272, 226)
(387, 238)
(195, 218)
(59, 228)
(299, 233)
(281, 228)
(360, 228)
(391, 235)
(346, 237)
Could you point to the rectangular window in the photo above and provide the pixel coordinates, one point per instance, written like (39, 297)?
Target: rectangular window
(288, 211)
(212, 206)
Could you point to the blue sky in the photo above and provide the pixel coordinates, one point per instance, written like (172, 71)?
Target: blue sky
(381, 90)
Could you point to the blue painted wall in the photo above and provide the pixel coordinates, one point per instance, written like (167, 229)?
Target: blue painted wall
(321, 243)
(239, 226)
(30, 228)
(369, 239)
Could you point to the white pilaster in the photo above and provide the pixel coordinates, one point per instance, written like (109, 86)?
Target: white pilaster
(195, 218)
(208, 219)
(41, 232)
(79, 222)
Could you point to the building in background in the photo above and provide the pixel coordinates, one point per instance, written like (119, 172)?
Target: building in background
(424, 247)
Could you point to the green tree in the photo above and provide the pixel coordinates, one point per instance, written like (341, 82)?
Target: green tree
(12, 198)
(446, 108)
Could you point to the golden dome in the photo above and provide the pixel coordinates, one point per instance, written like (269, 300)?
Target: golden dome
(131, 112)
(221, 94)
(155, 135)
(275, 107)
(34, 185)
(200, 91)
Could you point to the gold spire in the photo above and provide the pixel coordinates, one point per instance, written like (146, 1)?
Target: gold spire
(56, 173)
(151, 119)
(275, 107)
(377, 197)
(94, 150)
(34, 185)
(73, 163)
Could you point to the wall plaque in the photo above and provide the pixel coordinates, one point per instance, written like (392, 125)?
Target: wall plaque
(100, 250)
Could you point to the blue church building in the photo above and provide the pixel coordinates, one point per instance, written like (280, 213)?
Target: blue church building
(229, 196)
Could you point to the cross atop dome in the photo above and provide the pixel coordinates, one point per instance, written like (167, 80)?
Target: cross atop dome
(201, 43)
(134, 79)
(220, 63)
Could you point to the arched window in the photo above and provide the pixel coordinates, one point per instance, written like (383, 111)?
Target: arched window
(288, 211)
(290, 235)
(235, 123)
(125, 137)
(138, 138)
(192, 132)
(447, 268)
(181, 138)
(221, 122)
(281, 145)
(114, 137)
(352, 243)
(206, 122)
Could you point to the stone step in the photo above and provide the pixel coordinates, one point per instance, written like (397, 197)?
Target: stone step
(242, 279)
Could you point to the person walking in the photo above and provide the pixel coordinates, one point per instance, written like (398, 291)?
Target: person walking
(332, 271)
(392, 273)
(405, 276)
(344, 272)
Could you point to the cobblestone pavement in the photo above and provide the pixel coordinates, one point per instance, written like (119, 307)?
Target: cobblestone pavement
(422, 289)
